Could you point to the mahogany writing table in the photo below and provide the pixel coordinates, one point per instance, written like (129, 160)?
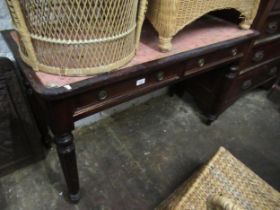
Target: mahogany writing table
(60, 101)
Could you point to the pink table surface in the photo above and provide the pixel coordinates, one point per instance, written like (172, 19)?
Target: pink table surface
(201, 33)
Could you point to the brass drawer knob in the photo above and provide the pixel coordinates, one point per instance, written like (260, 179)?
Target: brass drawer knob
(102, 95)
(234, 51)
(273, 71)
(247, 84)
(258, 56)
(201, 62)
(160, 76)
(272, 27)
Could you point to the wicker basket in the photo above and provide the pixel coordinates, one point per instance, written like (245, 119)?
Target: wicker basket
(170, 16)
(77, 37)
(224, 183)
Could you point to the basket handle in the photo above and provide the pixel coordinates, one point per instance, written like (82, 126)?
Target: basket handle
(221, 203)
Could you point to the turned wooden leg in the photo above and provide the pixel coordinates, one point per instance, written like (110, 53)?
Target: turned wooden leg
(165, 44)
(67, 156)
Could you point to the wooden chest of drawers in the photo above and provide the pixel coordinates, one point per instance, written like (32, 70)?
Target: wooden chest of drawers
(261, 63)
(259, 66)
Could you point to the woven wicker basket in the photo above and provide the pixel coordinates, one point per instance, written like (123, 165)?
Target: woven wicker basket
(170, 16)
(224, 183)
(77, 37)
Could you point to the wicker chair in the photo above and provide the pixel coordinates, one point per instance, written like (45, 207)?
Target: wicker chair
(170, 16)
(224, 183)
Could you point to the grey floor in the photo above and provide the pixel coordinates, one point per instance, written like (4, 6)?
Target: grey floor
(134, 159)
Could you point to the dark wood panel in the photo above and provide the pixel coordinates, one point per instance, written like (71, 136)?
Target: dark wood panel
(12, 141)
(254, 78)
(210, 90)
(262, 53)
(217, 90)
(276, 6)
(18, 146)
(250, 79)
(264, 11)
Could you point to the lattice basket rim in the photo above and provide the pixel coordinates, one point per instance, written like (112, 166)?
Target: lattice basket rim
(127, 37)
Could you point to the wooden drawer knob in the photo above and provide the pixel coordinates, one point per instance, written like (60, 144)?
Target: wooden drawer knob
(234, 51)
(247, 84)
(201, 62)
(102, 95)
(272, 27)
(258, 56)
(160, 76)
(273, 71)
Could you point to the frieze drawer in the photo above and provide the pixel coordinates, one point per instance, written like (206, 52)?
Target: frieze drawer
(276, 6)
(258, 76)
(116, 93)
(264, 52)
(203, 63)
(20, 139)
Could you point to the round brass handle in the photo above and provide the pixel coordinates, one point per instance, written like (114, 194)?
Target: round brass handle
(160, 76)
(258, 56)
(272, 27)
(247, 84)
(201, 62)
(102, 95)
(273, 71)
(234, 51)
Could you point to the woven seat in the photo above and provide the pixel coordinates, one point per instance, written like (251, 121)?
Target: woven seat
(170, 16)
(224, 183)
(77, 37)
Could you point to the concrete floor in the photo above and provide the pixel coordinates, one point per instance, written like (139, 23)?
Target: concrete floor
(135, 159)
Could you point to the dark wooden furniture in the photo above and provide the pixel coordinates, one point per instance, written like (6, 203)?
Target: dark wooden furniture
(60, 101)
(216, 91)
(18, 146)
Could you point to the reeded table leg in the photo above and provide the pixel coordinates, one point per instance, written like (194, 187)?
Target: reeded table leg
(67, 156)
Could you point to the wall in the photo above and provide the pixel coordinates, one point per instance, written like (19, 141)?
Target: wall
(5, 23)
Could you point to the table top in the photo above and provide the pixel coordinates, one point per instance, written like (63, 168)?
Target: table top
(205, 33)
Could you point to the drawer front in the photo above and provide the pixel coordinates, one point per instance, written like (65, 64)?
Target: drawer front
(264, 52)
(257, 76)
(107, 96)
(218, 57)
(271, 26)
(276, 6)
